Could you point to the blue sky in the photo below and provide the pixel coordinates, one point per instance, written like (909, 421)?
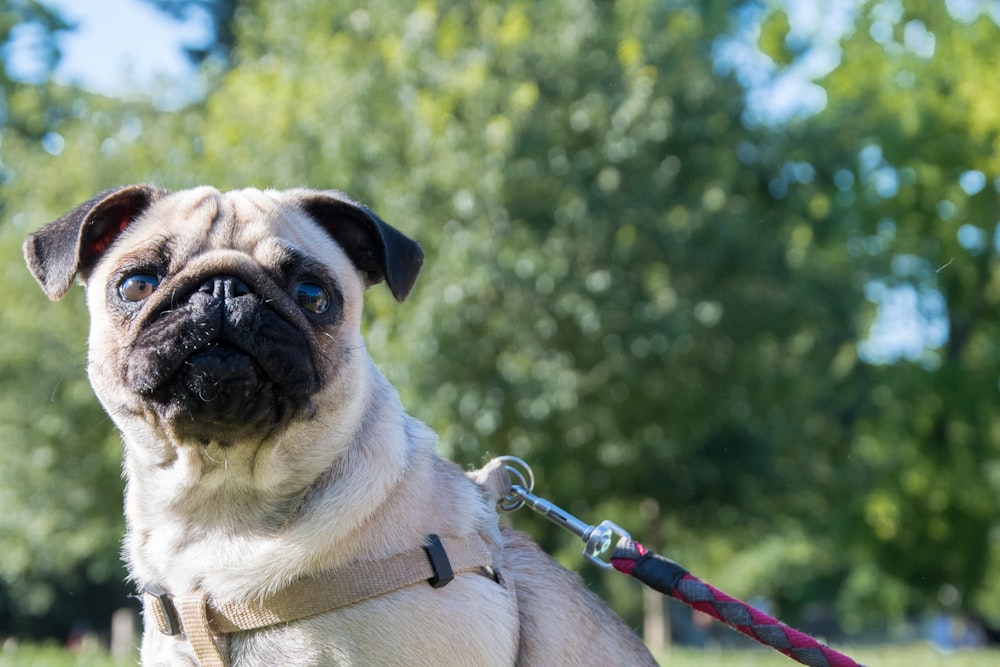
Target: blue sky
(118, 46)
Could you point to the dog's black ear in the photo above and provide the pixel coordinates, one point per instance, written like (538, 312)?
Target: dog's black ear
(380, 251)
(71, 245)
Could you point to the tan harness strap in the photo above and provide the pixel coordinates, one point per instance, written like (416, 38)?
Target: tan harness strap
(208, 644)
(205, 622)
(346, 586)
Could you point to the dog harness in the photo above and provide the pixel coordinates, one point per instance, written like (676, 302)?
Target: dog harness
(205, 622)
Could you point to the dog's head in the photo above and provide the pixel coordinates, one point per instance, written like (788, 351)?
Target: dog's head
(222, 318)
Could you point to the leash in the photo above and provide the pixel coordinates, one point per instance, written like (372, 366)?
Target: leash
(607, 545)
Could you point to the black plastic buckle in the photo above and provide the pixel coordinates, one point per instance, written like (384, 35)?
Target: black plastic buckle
(171, 627)
(440, 564)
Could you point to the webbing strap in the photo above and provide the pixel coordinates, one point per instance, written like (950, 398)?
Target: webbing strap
(314, 595)
(208, 644)
(349, 585)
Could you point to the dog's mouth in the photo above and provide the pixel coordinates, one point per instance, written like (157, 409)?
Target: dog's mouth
(219, 371)
(222, 370)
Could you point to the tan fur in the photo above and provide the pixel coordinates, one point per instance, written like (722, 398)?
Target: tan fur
(354, 478)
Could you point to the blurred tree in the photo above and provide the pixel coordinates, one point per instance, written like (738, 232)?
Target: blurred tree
(917, 84)
(60, 485)
(663, 308)
(220, 16)
(60, 470)
(33, 27)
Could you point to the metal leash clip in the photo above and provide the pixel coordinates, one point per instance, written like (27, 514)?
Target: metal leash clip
(600, 540)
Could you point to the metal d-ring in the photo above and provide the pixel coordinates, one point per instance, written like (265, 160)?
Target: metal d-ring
(522, 480)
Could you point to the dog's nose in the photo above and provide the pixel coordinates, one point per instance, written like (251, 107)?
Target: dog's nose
(225, 287)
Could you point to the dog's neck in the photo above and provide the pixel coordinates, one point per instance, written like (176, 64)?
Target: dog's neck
(240, 509)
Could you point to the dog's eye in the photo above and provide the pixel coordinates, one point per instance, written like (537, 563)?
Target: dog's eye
(138, 287)
(311, 297)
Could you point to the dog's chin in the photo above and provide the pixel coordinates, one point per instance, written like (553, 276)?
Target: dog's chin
(222, 395)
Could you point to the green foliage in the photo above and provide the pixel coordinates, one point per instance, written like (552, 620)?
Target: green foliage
(774, 38)
(915, 87)
(37, 24)
(60, 482)
(47, 655)
(662, 310)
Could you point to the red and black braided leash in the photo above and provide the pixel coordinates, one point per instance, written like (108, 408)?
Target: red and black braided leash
(669, 578)
(662, 574)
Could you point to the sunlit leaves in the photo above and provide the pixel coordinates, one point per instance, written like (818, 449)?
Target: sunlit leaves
(655, 305)
(774, 38)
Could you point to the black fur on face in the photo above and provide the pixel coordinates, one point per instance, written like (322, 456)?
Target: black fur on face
(224, 355)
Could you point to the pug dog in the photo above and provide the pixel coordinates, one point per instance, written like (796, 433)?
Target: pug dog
(275, 487)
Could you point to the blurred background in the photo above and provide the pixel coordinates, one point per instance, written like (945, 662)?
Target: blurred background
(726, 273)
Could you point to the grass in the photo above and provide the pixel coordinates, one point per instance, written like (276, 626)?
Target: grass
(912, 655)
(14, 654)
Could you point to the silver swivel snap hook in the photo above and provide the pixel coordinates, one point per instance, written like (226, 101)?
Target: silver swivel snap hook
(599, 540)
